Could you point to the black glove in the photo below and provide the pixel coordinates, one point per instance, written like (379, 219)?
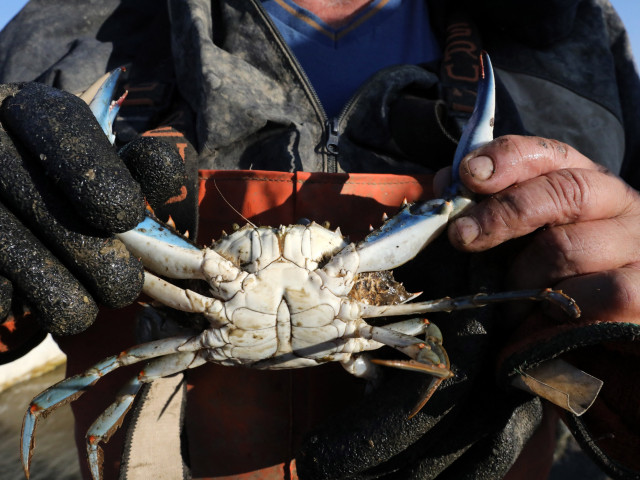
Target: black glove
(608, 350)
(470, 428)
(64, 192)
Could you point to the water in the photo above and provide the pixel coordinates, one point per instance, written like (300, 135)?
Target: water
(55, 456)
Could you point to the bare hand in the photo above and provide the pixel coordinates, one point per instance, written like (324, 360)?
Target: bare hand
(586, 222)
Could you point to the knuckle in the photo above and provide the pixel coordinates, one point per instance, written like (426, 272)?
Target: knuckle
(505, 145)
(508, 147)
(629, 200)
(531, 149)
(557, 150)
(569, 191)
(622, 293)
(503, 210)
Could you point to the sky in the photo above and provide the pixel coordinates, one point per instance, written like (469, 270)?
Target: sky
(629, 11)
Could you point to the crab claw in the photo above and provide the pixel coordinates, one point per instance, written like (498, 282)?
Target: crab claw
(479, 128)
(62, 393)
(403, 236)
(103, 107)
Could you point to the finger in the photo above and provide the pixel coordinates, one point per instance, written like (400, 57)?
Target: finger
(610, 296)
(577, 249)
(60, 130)
(514, 159)
(441, 181)
(157, 167)
(555, 198)
(63, 305)
(95, 258)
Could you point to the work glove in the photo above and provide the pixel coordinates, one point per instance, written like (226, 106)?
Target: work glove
(64, 193)
(607, 350)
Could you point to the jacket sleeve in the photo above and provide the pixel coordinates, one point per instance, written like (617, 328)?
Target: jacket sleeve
(69, 43)
(32, 43)
(629, 90)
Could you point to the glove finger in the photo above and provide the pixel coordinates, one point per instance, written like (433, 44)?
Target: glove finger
(95, 258)
(157, 167)
(60, 130)
(481, 438)
(183, 205)
(6, 292)
(63, 305)
(372, 432)
(495, 454)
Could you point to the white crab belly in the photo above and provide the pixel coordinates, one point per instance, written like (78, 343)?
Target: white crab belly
(281, 316)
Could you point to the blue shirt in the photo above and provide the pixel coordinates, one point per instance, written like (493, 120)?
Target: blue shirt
(339, 60)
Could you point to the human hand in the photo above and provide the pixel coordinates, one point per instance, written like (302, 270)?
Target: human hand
(580, 231)
(585, 222)
(64, 192)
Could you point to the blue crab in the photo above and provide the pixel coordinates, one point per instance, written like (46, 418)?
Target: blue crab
(283, 297)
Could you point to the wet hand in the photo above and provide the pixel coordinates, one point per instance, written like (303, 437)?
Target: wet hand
(583, 222)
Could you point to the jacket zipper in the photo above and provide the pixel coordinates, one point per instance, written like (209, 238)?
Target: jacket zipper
(333, 128)
(330, 127)
(333, 136)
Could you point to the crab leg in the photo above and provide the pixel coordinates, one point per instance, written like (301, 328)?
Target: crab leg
(71, 388)
(402, 336)
(447, 304)
(424, 358)
(101, 104)
(183, 299)
(427, 356)
(107, 423)
(413, 326)
(161, 249)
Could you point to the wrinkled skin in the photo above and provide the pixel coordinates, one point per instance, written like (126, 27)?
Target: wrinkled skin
(586, 222)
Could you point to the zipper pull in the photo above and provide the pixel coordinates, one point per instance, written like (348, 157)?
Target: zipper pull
(333, 136)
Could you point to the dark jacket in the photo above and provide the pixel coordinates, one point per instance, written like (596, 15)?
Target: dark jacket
(565, 64)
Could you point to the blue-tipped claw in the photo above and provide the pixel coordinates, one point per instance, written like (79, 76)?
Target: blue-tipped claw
(409, 231)
(479, 128)
(104, 107)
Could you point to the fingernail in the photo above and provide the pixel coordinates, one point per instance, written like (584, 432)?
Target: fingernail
(480, 168)
(468, 229)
